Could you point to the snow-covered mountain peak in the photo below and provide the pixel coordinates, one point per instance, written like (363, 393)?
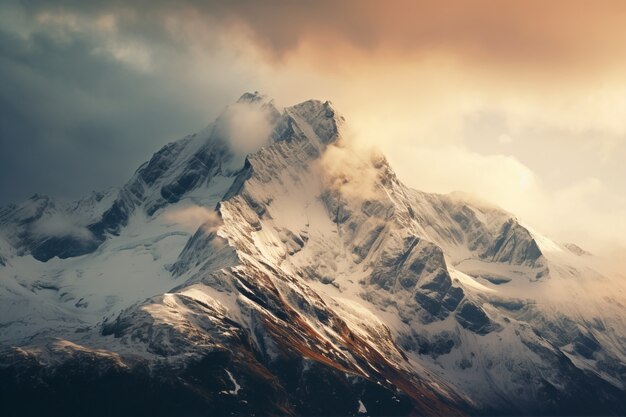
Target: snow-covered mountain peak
(28, 210)
(266, 252)
(316, 119)
(254, 97)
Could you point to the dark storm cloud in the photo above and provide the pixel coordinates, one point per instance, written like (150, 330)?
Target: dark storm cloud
(74, 118)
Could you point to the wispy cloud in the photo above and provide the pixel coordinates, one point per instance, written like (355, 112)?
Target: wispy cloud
(60, 225)
(349, 171)
(193, 217)
(248, 126)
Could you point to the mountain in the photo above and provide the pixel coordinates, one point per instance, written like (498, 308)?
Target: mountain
(299, 277)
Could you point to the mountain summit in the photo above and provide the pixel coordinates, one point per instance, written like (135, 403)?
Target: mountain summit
(266, 266)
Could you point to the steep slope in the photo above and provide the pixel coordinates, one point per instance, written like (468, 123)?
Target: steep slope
(195, 162)
(283, 315)
(316, 283)
(199, 160)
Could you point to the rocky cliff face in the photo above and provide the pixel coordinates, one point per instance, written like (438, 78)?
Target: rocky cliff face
(312, 282)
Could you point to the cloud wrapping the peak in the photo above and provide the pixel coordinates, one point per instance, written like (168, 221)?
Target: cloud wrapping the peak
(248, 125)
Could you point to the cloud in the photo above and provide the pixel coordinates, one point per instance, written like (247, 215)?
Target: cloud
(248, 126)
(193, 217)
(562, 35)
(60, 225)
(348, 168)
(589, 212)
(445, 169)
(559, 34)
(82, 94)
(586, 212)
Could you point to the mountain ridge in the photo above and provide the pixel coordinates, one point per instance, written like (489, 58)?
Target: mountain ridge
(313, 256)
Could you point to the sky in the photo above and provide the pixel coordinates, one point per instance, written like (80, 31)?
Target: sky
(520, 103)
